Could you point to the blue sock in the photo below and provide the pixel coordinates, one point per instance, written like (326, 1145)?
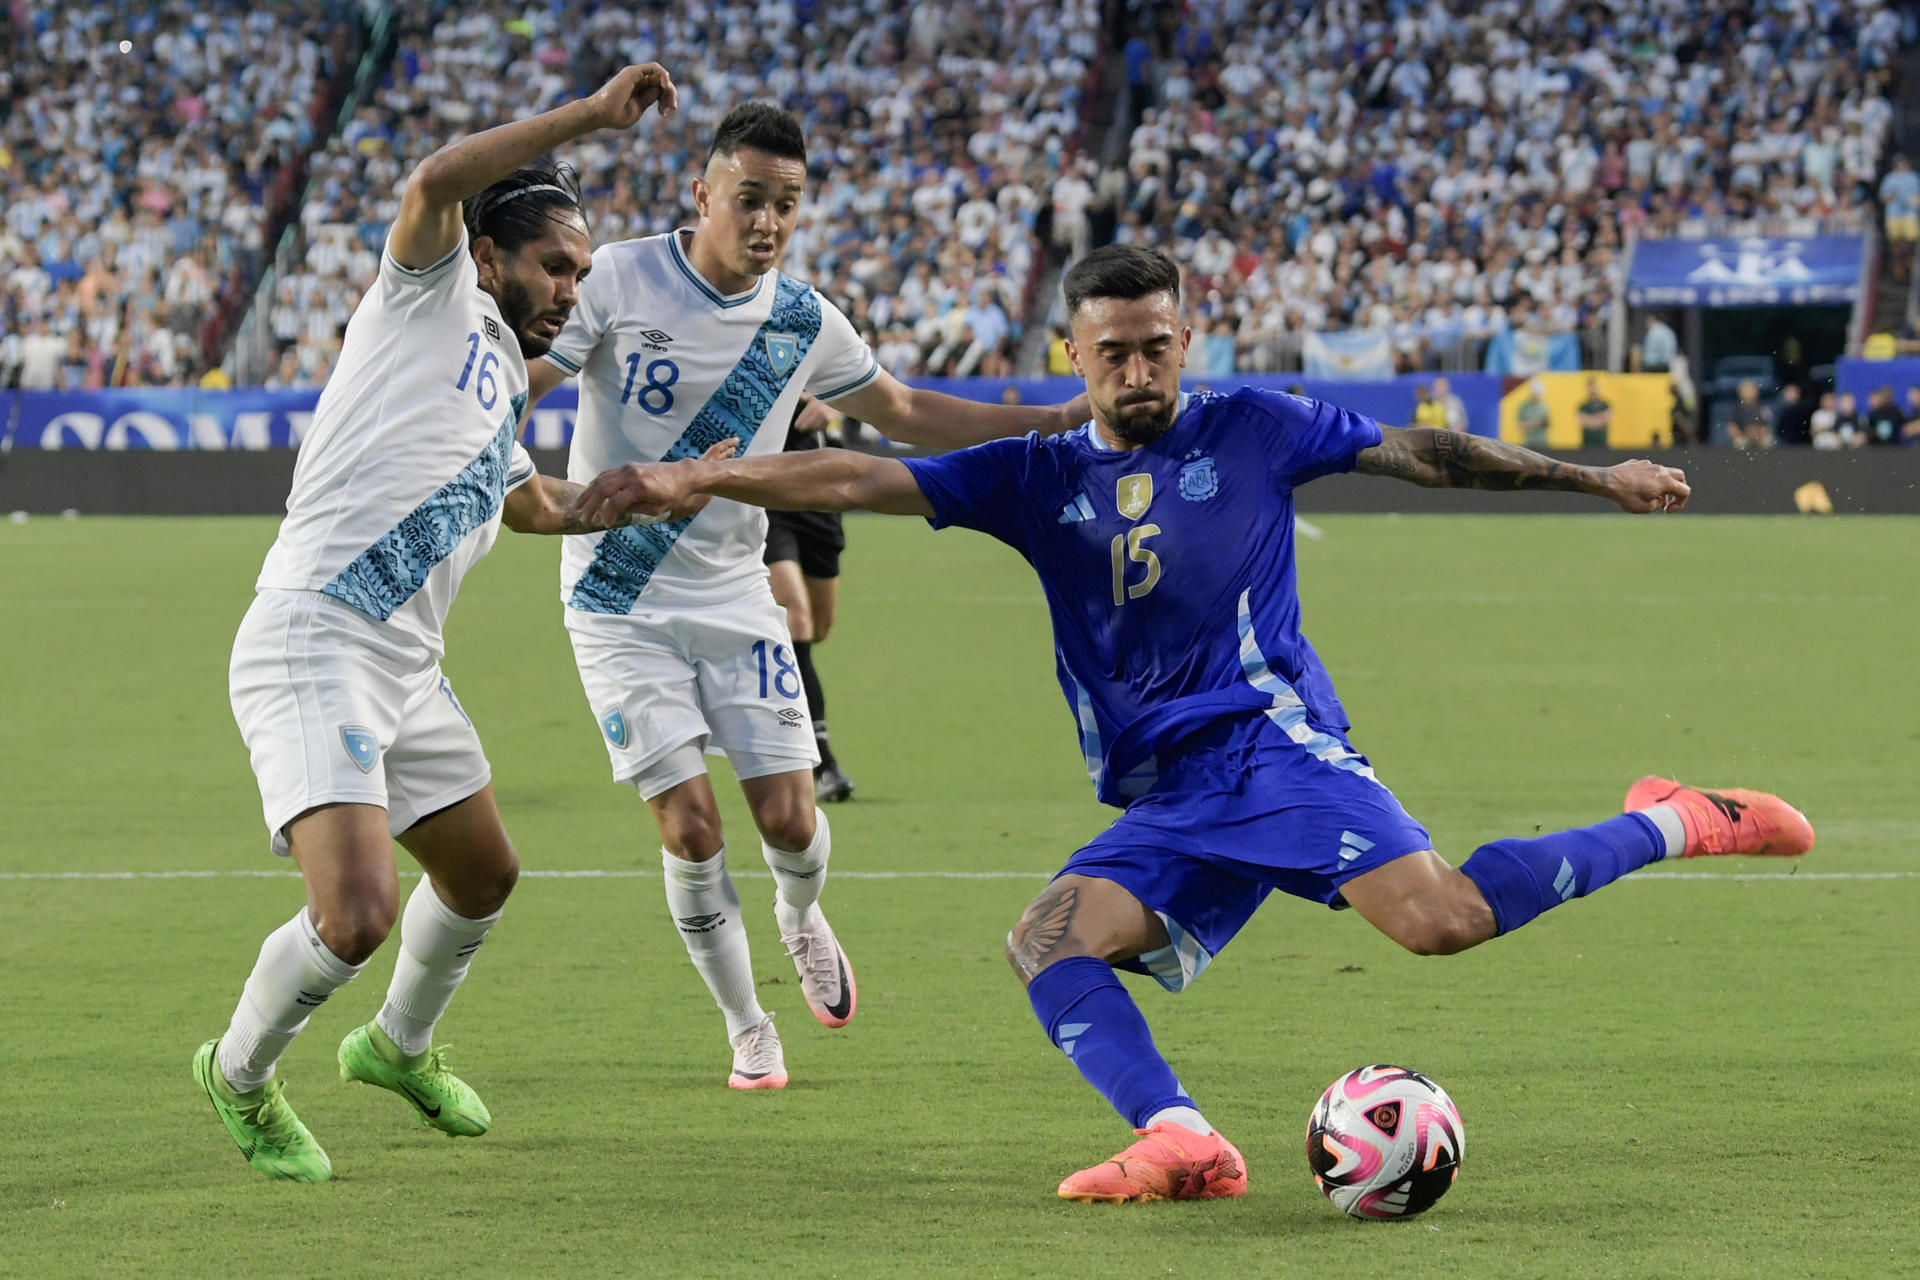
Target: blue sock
(1522, 878)
(1092, 1019)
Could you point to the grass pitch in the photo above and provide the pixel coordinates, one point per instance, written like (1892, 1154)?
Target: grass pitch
(1694, 1073)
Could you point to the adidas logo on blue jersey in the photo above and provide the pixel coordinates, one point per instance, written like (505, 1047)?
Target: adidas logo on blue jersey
(1078, 511)
(1352, 846)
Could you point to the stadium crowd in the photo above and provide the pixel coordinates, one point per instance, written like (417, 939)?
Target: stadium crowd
(941, 136)
(1439, 173)
(1444, 171)
(141, 148)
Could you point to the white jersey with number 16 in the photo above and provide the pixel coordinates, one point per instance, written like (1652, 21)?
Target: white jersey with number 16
(668, 367)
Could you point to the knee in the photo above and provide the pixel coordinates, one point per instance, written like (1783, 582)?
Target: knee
(820, 627)
(487, 891)
(787, 825)
(353, 929)
(1445, 930)
(692, 833)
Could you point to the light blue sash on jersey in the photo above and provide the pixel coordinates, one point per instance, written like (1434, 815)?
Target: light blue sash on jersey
(387, 574)
(624, 561)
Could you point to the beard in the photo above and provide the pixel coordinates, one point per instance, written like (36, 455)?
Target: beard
(516, 308)
(1142, 422)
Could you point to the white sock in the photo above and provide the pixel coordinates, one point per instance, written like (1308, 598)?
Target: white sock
(1667, 818)
(798, 877)
(1185, 1117)
(436, 946)
(706, 910)
(294, 975)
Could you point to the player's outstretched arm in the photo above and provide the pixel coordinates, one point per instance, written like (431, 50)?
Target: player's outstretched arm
(427, 227)
(827, 480)
(1455, 460)
(547, 504)
(937, 421)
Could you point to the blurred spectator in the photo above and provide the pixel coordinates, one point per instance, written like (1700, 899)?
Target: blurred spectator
(1900, 203)
(1686, 401)
(1751, 426)
(1824, 424)
(1453, 410)
(1427, 411)
(1848, 429)
(1596, 415)
(1910, 420)
(1534, 417)
(1658, 346)
(1795, 422)
(1884, 419)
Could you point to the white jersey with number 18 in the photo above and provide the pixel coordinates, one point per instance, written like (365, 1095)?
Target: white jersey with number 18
(668, 367)
(400, 480)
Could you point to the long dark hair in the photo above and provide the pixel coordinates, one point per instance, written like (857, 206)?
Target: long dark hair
(519, 207)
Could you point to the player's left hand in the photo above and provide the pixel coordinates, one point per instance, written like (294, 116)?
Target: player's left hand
(621, 101)
(1644, 487)
(813, 416)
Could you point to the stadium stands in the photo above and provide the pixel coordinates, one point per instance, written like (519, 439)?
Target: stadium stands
(1445, 171)
(936, 133)
(144, 149)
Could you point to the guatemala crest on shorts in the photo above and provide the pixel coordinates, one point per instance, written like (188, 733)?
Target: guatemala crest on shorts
(614, 725)
(782, 351)
(1198, 480)
(362, 747)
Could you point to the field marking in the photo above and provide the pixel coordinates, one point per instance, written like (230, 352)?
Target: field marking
(644, 873)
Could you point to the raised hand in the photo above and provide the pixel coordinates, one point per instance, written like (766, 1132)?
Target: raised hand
(1645, 487)
(621, 101)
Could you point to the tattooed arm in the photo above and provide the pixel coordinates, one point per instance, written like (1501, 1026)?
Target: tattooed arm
(1455, 460)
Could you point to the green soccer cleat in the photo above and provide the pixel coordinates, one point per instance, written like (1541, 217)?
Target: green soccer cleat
(442, 1100)
(262, 1124)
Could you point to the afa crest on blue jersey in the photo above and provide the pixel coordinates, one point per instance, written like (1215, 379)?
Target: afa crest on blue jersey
(614, 725)
(1198, 480)
(362, 747)
(782, 350)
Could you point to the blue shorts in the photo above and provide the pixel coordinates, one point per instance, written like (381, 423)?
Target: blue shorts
(1242, 810)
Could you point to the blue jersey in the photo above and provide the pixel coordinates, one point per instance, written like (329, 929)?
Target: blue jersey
(1168, 570)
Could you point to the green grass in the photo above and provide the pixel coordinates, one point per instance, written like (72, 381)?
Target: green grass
(1676, 1078)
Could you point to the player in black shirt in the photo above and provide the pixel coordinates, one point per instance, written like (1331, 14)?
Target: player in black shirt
(803, 564)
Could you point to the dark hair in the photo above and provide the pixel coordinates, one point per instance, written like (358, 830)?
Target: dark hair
(1121, 271)
(759, 126)
(521, 206)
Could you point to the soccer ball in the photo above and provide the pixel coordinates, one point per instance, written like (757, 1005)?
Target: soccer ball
(1385, 1142)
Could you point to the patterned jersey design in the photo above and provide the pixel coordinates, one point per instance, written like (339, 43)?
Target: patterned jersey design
(625, 559)
(387, 574)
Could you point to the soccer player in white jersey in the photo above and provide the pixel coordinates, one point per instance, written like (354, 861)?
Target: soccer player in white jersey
(355, 735)
(682, 341)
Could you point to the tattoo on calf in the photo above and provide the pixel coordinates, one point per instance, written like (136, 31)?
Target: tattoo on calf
(1044, 926)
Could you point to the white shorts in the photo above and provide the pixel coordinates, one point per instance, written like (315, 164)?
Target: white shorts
(336, 708)
(719, 676)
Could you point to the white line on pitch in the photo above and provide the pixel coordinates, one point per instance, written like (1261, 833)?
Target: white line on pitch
(648, 874)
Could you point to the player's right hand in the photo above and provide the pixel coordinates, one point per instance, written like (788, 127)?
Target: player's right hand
(1644, 487)
(621, 101)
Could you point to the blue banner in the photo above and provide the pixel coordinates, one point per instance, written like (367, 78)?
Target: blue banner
(253, 419)
(1864, 377)
(1753, 271)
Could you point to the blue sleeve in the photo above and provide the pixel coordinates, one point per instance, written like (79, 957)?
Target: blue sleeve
(1311, 438)
(979, 488)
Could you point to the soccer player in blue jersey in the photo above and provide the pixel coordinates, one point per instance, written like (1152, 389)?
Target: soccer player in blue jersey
(1162, 534)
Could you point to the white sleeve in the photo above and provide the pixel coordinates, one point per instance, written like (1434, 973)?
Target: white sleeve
(846, 363)
(590, 319)
(451, 274)
(520, 468)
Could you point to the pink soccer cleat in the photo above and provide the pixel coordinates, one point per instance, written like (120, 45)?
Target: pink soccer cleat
(1170, 1162)
(1720, 822)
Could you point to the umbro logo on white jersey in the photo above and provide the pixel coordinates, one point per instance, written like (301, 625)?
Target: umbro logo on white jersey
(493, 329)
(655, 338)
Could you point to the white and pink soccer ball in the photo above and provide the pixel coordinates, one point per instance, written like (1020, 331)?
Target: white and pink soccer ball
(1385, 1142)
